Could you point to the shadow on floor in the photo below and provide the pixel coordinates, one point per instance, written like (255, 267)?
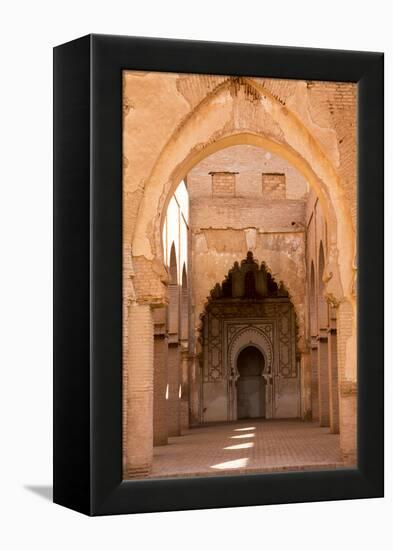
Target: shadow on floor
(44, 491)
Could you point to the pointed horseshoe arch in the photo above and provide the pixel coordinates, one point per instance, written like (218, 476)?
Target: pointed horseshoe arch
(250, 336)
(208, 129)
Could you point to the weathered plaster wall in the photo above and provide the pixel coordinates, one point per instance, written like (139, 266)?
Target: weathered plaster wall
(224, 229)
(215, 249)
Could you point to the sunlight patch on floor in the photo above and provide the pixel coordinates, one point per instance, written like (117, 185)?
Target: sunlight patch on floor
(247, 445)
(231, 464)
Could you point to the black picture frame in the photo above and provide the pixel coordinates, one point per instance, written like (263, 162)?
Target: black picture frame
(88, 274)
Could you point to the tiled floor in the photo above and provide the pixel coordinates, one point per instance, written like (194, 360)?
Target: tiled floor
(248, 446)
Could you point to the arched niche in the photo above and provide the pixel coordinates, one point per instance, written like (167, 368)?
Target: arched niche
(184, 304)
(184, 283)
(173, 265)
(251, 336)
(232, 321)
(251, 394)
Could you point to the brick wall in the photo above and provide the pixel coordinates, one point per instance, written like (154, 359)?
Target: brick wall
(334, 105)
(248, 162)
(273, 186)
(223, 184)
(240, 213)
(148, 280)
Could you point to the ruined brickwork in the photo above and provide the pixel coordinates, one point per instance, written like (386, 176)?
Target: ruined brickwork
(223, 184)
(270, 170)
(273, 186)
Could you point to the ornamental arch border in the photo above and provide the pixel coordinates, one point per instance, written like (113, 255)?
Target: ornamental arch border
(262, 343)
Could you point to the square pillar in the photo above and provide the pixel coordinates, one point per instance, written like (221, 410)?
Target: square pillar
(306, 387)
(194, 385)
(314, 379)
(333, 382)
(348, 422)
(323, 379)
(347, 371)
(173, 388)
(139, 437)
(160, 405)
(184, 401)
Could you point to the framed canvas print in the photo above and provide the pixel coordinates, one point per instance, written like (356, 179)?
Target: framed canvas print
(218, 275)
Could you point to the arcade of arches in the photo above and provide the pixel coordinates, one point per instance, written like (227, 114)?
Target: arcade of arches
(239, 266)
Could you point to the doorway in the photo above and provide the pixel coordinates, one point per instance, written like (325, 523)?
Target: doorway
(250, 384)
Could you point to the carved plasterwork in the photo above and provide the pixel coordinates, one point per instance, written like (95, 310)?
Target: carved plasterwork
(241, 335)
(270, 325)
(248, 308)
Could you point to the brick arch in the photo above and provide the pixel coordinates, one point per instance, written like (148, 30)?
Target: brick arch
(205, 130)
(220, 121)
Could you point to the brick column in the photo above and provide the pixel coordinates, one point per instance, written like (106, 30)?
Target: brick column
(314, 379)
(160, 413)
(139, 449)
(194, 390)
(184, 401)
(306, 377)
(174, 378)
(347, 370)
(348, 422)
(323, 379)
(184, 332)
(160, 406)
(173, 387)
(333, 382)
